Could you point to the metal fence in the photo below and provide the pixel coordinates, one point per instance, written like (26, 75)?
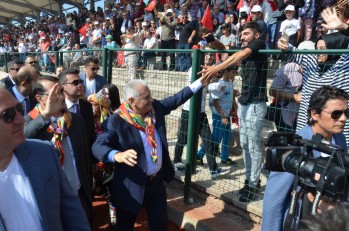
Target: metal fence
(166, 74)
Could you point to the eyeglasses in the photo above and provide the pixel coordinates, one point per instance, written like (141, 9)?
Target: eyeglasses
(94, 68)
(9, 115)
(32, 62)
(336, 114)
(75, 82)
(15, 69)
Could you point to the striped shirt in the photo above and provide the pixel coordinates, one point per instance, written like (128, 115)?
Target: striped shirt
(336, 76)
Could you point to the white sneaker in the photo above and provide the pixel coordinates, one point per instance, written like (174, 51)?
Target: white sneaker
(179, 167)
(219, 172)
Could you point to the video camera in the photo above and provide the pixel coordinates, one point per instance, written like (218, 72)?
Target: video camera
(327, 174)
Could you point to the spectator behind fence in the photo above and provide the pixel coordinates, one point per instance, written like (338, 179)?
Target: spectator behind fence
(149, 56)
(187, 35)
(77, 56)
(257, 16)
(35, 181)
(12, 69)
(92, 81)
(287, 81)
(204, 132)
(141, 153)
(227, 38)
(168, 25)
(252, 104)
(327, 114)
(132, 41)
(50, 121)
(221, 103)
(291, 28)
(22, 91)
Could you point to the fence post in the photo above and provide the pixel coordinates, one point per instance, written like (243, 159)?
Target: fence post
(57, 59)
(110, 66)
(104, 62)
(193, 128)
(5, 60)
(60, 58)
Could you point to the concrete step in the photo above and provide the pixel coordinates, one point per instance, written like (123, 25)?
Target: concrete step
(205, 212)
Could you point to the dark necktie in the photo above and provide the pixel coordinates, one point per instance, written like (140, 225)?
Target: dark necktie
(26, 105)
(77, 108)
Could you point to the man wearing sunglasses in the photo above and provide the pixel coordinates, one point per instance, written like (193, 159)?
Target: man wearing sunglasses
(38, 194)
(30, 61)
(327, 115)
(22, 91)
(44, 122)
(92, 80)
(12, 68)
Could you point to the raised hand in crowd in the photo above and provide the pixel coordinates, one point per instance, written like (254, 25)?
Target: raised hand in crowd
(55, 102)
(333, 22)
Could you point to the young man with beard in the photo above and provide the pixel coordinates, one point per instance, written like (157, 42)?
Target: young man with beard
(251, 104)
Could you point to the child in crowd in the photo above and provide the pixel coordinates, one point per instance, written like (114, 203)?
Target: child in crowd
(291, 27)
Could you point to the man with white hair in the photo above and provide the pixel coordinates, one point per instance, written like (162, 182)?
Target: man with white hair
(134, 138)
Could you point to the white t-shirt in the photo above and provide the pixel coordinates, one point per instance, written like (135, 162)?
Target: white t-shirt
(96, 33)
(149, 42)
(90, 87)
(290, 27)
(18, 207)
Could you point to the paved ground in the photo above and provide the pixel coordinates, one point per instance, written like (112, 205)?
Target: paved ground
(205, 213)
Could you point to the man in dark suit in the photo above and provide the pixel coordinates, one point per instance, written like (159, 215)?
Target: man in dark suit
(135, 139)
(22, 91)
(12, 68)
(51, 121)
(93, 82)
(73, 91)
(37, 193)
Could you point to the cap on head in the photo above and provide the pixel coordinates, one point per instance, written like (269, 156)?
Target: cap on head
(256, 8)
(109, 37)
(289, 8)
(169, 12)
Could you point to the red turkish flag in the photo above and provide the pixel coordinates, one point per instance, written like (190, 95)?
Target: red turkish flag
(241, 4)
(207, 19)
(83, 30)
(151, 6)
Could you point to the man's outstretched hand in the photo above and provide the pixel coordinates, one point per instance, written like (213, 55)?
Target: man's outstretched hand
(208, 72)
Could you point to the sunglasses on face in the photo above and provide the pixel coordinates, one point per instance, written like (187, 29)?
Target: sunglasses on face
(75, 82)
(15, 69)
(9, 114)
(32, 62)
(336, 114)
(94, 68)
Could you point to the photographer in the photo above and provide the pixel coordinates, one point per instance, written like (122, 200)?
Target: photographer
(327, 115)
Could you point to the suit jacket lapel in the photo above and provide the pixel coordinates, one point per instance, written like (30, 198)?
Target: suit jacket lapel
(22, 153)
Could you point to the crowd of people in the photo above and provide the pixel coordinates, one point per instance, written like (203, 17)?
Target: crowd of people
(90, 128)
(164, 24)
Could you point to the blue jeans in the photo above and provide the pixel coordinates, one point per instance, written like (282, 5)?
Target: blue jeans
(271, 36)
(251, 118)
(221, 133)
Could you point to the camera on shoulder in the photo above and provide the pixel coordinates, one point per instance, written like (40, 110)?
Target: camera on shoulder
(326, 175)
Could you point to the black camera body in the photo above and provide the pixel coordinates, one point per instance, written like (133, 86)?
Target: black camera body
(286, 152)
